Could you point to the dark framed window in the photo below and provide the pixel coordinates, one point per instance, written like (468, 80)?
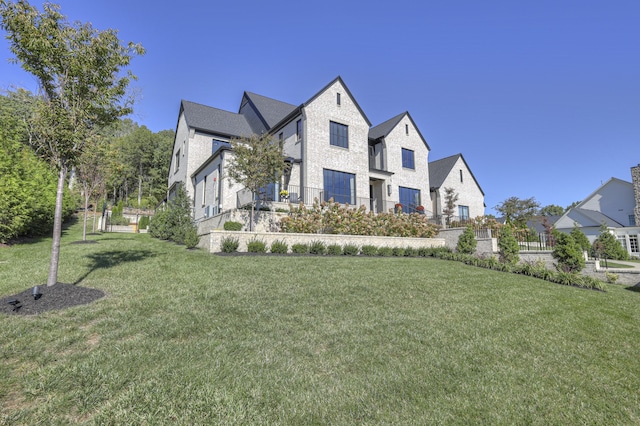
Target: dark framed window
(409, 198)
(406, 129)
(408, 160)
(340, 186)
(461, 178)
(463, 212)
(338, 98)
(177, 162)
(339, 135)
(298, 130)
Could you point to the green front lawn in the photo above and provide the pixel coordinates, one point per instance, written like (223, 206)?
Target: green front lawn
(186, 337)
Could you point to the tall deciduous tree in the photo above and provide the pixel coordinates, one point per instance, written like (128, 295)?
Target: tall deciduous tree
(78, 69)
(91, 174)
(517, 210)
(257, 162)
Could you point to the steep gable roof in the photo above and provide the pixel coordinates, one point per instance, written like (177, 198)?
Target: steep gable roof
(440, 169)
(383, 129)
(214, 120)
(270, 111)
(339, 79)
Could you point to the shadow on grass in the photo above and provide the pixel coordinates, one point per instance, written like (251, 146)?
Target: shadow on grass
(635, 288)
(109, 259)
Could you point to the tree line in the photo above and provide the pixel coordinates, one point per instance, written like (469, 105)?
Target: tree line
(121, 162)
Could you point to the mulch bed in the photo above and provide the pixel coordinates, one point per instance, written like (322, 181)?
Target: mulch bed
(59, 296)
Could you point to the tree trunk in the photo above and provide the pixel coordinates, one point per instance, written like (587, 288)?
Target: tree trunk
(139, 190)
(95, 213)
(57, 229)
(86, 208)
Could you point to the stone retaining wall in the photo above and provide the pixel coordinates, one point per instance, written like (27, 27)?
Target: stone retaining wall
(212, 240)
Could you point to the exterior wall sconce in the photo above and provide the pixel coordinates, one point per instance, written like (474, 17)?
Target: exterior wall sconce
(388, 189)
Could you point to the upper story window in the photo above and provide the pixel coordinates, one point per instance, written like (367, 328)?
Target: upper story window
(408, 160)
(338, 99)
(339, 135)
(461, 178)
(298, 130)
(406, 129)
(177, 162)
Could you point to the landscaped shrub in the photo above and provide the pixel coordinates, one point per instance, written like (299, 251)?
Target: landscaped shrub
(385, 251)
(334, 218)
(229, 244)
(467, 241)
(369, 250)
(410, 252)
(191, 237)
(232, 226)
(580, 238)
(398, 251)
(300, 248)
(317, 247)
(334, 250)
(508, 246)
(174, 222)
(606, 246)
(256, 246)
(143, 223)
(350, 250)
(279, 247)
(568, 253)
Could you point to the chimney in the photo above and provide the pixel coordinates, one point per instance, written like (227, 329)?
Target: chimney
(635, 180)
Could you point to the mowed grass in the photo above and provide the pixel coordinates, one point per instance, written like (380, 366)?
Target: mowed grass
(186, 337)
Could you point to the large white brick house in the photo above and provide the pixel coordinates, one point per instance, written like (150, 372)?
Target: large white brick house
(333, 149)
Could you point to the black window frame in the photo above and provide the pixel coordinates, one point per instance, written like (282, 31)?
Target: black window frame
(338, 135)
(408, 159)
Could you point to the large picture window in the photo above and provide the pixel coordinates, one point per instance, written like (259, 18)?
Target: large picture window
(408, 161)
(339, 135)
(340, 186)
(410, 199)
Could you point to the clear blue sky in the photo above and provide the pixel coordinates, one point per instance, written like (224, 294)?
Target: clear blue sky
(541, 97)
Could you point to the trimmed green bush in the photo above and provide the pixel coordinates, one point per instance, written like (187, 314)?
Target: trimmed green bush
(398, 251)
(385, 252)
(229, 244)
(279, 247)
(467, 241)
(191, 237)
(256, 246)
(606, 246)
(317, 247)
(568, 253)
(350, 250)
(334, 250)
(369, 250)
(508, 246)
(300, 248)
(410, 252)
(232, 226)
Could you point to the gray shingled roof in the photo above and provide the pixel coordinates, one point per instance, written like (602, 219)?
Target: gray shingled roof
(598, 218)
(383, 129)
(271, 110)
(440, 169)
(214, 120)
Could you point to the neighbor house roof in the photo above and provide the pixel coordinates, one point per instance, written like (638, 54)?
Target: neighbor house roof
(214, 120)
(440, 169)
(590, 218)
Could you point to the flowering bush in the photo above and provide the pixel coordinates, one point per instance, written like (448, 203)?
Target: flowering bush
(420, 208)
(284, 193)
(334, 218)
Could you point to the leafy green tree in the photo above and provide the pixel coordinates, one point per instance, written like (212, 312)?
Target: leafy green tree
(78, 70)
(580, 238)
(91, 174)
(257, 161)
(551, 210)
(467, 241)
(518, 211)
(608, 247)
(450, 199)
(174, 222)
(568, 253)
(508, 246)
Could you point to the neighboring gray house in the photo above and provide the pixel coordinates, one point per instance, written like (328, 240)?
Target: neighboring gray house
(615, 204)
(454, 172)
(333, 149)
